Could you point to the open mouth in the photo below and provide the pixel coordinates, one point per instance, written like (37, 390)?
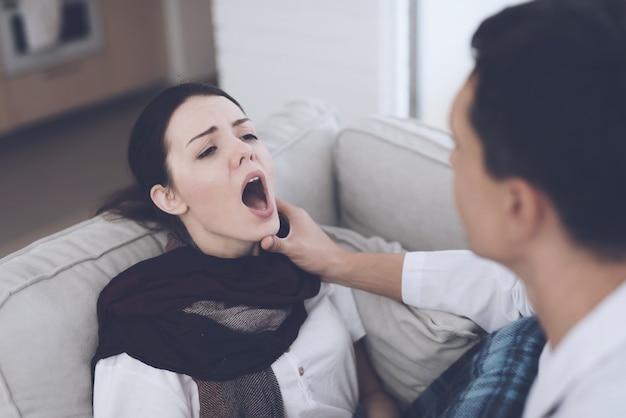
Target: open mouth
(254, 194)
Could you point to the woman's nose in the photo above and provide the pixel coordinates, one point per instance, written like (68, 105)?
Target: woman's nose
(242, 151)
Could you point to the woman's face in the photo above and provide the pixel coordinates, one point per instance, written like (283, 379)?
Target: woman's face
(222, 177)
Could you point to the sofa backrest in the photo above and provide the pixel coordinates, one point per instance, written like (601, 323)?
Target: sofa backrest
(48, 290)
(394, 181)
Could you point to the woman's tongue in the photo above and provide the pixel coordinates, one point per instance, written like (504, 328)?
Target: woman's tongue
(253, 199)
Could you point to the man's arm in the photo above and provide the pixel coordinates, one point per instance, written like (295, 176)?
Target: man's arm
(312, 250)
(452, 281)
(377, 273)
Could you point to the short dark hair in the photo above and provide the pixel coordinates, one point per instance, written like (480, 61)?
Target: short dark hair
(550, 107)
(147, 154)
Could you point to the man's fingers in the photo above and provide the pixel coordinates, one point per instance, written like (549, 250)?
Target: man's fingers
(270, 243)
(284, 207)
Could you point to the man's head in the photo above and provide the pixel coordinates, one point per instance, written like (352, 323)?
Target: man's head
(547, 102)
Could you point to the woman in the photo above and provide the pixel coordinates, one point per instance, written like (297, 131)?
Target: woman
(215, 326)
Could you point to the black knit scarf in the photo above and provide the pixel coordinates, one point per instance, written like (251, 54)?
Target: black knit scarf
(221, 321)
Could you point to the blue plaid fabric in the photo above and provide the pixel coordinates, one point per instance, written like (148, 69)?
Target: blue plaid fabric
(492, 379)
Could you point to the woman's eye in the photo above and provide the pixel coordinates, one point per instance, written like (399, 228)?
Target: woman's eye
(207, 152)
(249, 137)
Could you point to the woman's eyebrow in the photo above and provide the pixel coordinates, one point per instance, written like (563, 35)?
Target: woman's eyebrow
(240, 121)
(201, 134)
(214, 128)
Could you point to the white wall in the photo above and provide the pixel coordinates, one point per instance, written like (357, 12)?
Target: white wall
(444, 31)
(351, 53)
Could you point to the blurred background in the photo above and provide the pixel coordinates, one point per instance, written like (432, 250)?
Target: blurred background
(74, 75)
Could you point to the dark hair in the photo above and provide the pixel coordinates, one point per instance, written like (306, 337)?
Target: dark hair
(550, 107)
(147, 153)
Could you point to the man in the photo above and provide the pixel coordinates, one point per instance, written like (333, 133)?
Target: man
(540, 185)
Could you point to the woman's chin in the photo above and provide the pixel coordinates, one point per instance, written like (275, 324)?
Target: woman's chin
(272, 227)
(276, 225)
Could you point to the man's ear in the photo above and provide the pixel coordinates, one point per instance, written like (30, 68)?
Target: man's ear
(166, 199)
(526, 208)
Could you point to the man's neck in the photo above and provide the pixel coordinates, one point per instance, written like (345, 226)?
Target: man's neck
(564, 287)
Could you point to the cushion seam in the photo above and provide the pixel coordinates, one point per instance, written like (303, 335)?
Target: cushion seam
(396, 124)
(40, 277)
(394, 144)
(5, 393)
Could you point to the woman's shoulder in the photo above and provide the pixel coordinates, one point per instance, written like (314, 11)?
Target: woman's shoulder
(124, 363)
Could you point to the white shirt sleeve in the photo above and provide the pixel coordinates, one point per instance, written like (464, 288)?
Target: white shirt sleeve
(125, 387)
(462, 283)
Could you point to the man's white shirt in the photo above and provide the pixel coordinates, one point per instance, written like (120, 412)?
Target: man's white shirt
(584, 377)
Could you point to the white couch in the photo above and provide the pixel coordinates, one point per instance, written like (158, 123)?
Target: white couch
(380, 184)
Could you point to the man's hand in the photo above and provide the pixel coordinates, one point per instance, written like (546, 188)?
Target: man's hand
(306, 244)
(312, 250)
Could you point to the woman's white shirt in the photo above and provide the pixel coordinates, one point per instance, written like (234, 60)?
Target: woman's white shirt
(317, 375)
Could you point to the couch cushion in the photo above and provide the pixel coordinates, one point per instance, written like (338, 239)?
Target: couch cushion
(394, 181)
(409, 347)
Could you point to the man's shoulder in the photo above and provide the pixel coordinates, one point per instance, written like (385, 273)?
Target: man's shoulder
(602, 392)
